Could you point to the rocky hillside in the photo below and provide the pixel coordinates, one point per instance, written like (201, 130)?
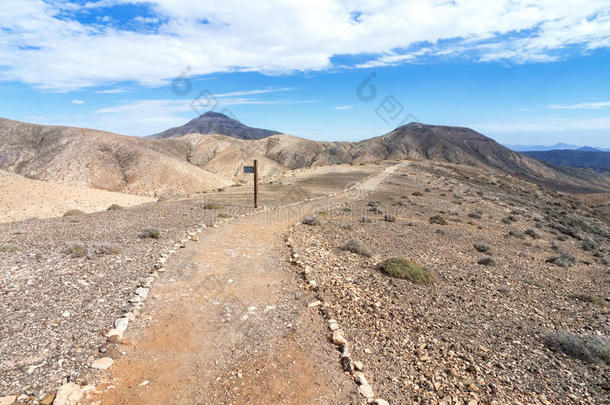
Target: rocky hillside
(84, 157)
(216, 123)
(195, 162)
(596, 160)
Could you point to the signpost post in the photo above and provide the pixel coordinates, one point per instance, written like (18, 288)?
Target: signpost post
(254, 169)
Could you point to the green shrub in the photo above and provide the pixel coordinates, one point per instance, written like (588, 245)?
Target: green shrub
(437, 219)
(211, 206)
(417, 194)
(224, 215)
(406, 269)
(358, 247)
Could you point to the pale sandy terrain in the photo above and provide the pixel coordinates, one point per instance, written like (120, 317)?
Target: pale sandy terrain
(22, 198)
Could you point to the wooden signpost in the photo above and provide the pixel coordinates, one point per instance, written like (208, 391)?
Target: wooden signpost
(254, 169)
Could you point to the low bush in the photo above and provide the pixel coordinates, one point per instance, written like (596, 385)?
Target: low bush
(211, 206)
(483, 248)
(486, 261)
(389, 218)
(533, 234)
(437, 219)
(591, 348)
(224, 215)
(406, 269)
(593, 299)
(358, 247)
(9, 248)
(563, 260)
(114, 207)
(588, 244)
(311, 221)
(152, 233)
(417, 194)
(516, 234)
(73, 213)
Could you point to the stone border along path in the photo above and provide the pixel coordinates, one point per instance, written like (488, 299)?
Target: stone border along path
(354, 367)
(71, 393)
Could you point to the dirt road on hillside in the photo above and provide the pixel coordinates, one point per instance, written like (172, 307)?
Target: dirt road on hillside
(229, 323)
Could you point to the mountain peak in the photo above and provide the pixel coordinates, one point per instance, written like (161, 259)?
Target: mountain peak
(212, 122)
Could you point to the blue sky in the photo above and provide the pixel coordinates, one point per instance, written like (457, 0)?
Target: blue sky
(518, 71)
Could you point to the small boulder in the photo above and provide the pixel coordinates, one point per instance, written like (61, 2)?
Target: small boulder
(68, 394)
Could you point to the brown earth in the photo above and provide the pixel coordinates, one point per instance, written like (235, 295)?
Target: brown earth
(197, 162)
(22, 198)
(229, 320)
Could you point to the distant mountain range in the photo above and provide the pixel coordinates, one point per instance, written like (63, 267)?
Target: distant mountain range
(216, 123)
(176, 163)
(557, 146)
(581, 158)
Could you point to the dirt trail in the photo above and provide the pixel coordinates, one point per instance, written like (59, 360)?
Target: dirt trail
(229, 323)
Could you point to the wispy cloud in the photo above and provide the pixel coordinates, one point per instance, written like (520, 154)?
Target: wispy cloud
(78, 102)
(110, 91)
(581, 106)
(343, 107)
(233, 35)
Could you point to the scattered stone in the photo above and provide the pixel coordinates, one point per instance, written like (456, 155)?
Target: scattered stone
(142, 292)
(358, 365)
(114, 335)
(8, 400)
(102, 364)
(68, 394)
(121, 324)
(380, 401)
(338, 338)
(366, 391)
(360, 379)
(48, 399)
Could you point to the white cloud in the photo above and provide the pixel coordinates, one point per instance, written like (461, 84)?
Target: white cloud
(148, 116)
(343, 107)
(110, 91)
(78, 102)
(41, 47)
(580, 106)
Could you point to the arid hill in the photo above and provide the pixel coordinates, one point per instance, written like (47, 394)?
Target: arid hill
(196, 162)
(97, 159)
(216, 123)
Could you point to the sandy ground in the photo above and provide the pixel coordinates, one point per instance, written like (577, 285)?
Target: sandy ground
(22, 198)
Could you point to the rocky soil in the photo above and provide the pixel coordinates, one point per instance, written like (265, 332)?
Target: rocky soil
(483, 332)
(64, 281)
